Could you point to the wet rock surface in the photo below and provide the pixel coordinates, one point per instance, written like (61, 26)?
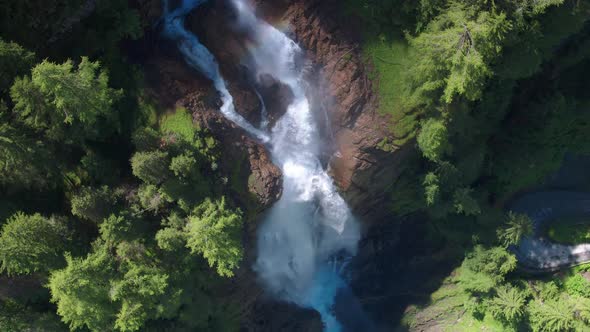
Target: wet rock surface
(176, 85)
(393, 256)
(227, 43)
(246, 101)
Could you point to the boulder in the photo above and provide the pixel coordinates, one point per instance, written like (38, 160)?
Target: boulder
(276, 95)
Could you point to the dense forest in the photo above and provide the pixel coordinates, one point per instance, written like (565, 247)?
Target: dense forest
(116, 215)
(495, 95)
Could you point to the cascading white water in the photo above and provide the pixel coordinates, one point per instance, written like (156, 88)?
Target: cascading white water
(311, 224)
(199, 57)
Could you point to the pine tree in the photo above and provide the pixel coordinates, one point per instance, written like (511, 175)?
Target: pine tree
(552, 316)
(433, 140)
(24, 162)
(60, 97)
(151, 167)
(508, 305)
(81, 291)
(517, 227)
(14, 61)
(93, 204)
(213, 230)
(32, 243)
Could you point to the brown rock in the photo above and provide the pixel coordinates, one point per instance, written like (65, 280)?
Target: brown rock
(149, 11)
(363, 172)
(246, 101)
(228, 45)
(245, 158)
(265, 180)
(173, 84)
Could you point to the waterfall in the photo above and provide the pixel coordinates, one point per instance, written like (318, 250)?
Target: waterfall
(199, 57)
(310, 227)
(311, 224)
(263, 112)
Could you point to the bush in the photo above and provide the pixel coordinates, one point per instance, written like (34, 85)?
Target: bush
(484, 269)
(151, 167)
(146, 139)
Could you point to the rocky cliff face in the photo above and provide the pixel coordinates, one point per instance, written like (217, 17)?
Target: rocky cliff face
(362, 170)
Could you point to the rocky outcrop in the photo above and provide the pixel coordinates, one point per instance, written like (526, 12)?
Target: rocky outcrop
(363, 171)
(253, 175)
(244, 158)
(246, 101)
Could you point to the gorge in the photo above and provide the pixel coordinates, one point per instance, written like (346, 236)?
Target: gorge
(309, 234)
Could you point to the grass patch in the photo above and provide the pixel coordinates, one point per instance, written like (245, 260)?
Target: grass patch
(178, 122)
(388, 58)
(387, 50)
(468, 323)
(570, 231)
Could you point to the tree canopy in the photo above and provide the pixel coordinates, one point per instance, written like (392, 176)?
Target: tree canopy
(32, 243)
(213, 230)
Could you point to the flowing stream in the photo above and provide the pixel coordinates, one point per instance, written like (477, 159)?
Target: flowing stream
(308, 236)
